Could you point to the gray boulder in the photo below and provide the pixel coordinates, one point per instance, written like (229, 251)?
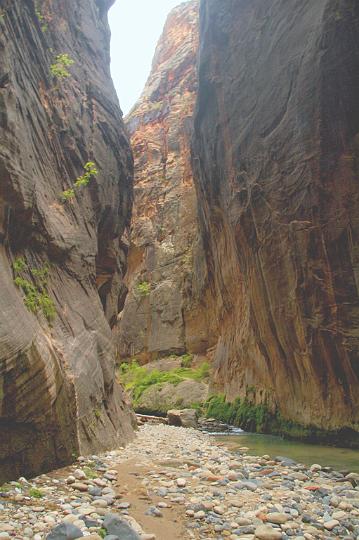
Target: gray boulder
(117, 527)
(65, 531)
(183, 418)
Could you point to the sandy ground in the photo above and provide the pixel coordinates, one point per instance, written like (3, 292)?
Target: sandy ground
(132, 490)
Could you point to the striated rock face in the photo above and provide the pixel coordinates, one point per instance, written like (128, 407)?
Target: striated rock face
(276, 154)
(162, 315)
(57, 390)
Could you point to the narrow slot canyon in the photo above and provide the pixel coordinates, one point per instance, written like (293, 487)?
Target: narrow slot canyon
(179, 282)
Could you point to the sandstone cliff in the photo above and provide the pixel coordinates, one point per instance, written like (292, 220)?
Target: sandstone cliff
(62, 259)
(275, 152)
(161, 314)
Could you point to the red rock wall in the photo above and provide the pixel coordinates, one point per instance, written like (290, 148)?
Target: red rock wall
(275, 152)
(167, 318)
(57, 389)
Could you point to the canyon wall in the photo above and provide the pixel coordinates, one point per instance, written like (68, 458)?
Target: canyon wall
(62, 258)
(276, 161)
(162, 314)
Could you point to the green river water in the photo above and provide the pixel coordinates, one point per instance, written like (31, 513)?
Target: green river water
(327, 456)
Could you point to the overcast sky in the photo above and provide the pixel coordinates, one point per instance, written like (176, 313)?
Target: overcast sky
(136, 26)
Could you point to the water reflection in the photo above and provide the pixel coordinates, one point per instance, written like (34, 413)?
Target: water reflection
(338, 458)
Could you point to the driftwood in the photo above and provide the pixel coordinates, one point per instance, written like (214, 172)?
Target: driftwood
(151, 419)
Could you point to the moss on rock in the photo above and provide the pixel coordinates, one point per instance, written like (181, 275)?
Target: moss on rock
(259, 418)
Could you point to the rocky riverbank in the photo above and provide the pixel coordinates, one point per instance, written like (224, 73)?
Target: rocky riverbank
(172, 483)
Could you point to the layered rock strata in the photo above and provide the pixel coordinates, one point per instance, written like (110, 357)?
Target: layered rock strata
(162, 314)
(275, 153)
(62, 258)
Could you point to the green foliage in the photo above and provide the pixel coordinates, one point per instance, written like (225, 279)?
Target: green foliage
(90, 474)
(218, 408)
(30, 291)
(46, 305)
(143, 288)
(35, 291)
(137, 379)
(19, 265)
(67, 195)
(202, 372)
(90, 172)
(40, 17)
(239, 413)
(41, 274)
(97, 413)
(36, 493)
(59, 68)
(186, 360)
(82, 181)
(102, 532)
(197, 407)
(259, 418)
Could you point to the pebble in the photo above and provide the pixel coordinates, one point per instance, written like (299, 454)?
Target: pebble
(278, 518)
(181, 482)
(266, 532)
(217, 494)
(80, 474)
(329, 525)
(79, 486)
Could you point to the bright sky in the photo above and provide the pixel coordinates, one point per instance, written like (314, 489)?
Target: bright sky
(136, 26)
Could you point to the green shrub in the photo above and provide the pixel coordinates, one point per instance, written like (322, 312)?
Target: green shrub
(143, 288)
(90, 172)
(19, 265)
(90, 474)
(59, 68)
(137, 379)
(36, 493)
(203, 371)
(35, 291)
(197, 407)
(67, 195)
(186, 360)
(217, 407)
(40, 18)
(239, 413)
(31, 293)
(47, 306)
(82, 181)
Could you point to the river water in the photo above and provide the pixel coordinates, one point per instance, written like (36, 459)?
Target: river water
(327, 456)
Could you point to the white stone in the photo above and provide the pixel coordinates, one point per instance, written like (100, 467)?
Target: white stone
(181, 482)
(79, 474)
(329, 525)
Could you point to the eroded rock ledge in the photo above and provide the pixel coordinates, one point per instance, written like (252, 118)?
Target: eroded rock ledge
(57, 390)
